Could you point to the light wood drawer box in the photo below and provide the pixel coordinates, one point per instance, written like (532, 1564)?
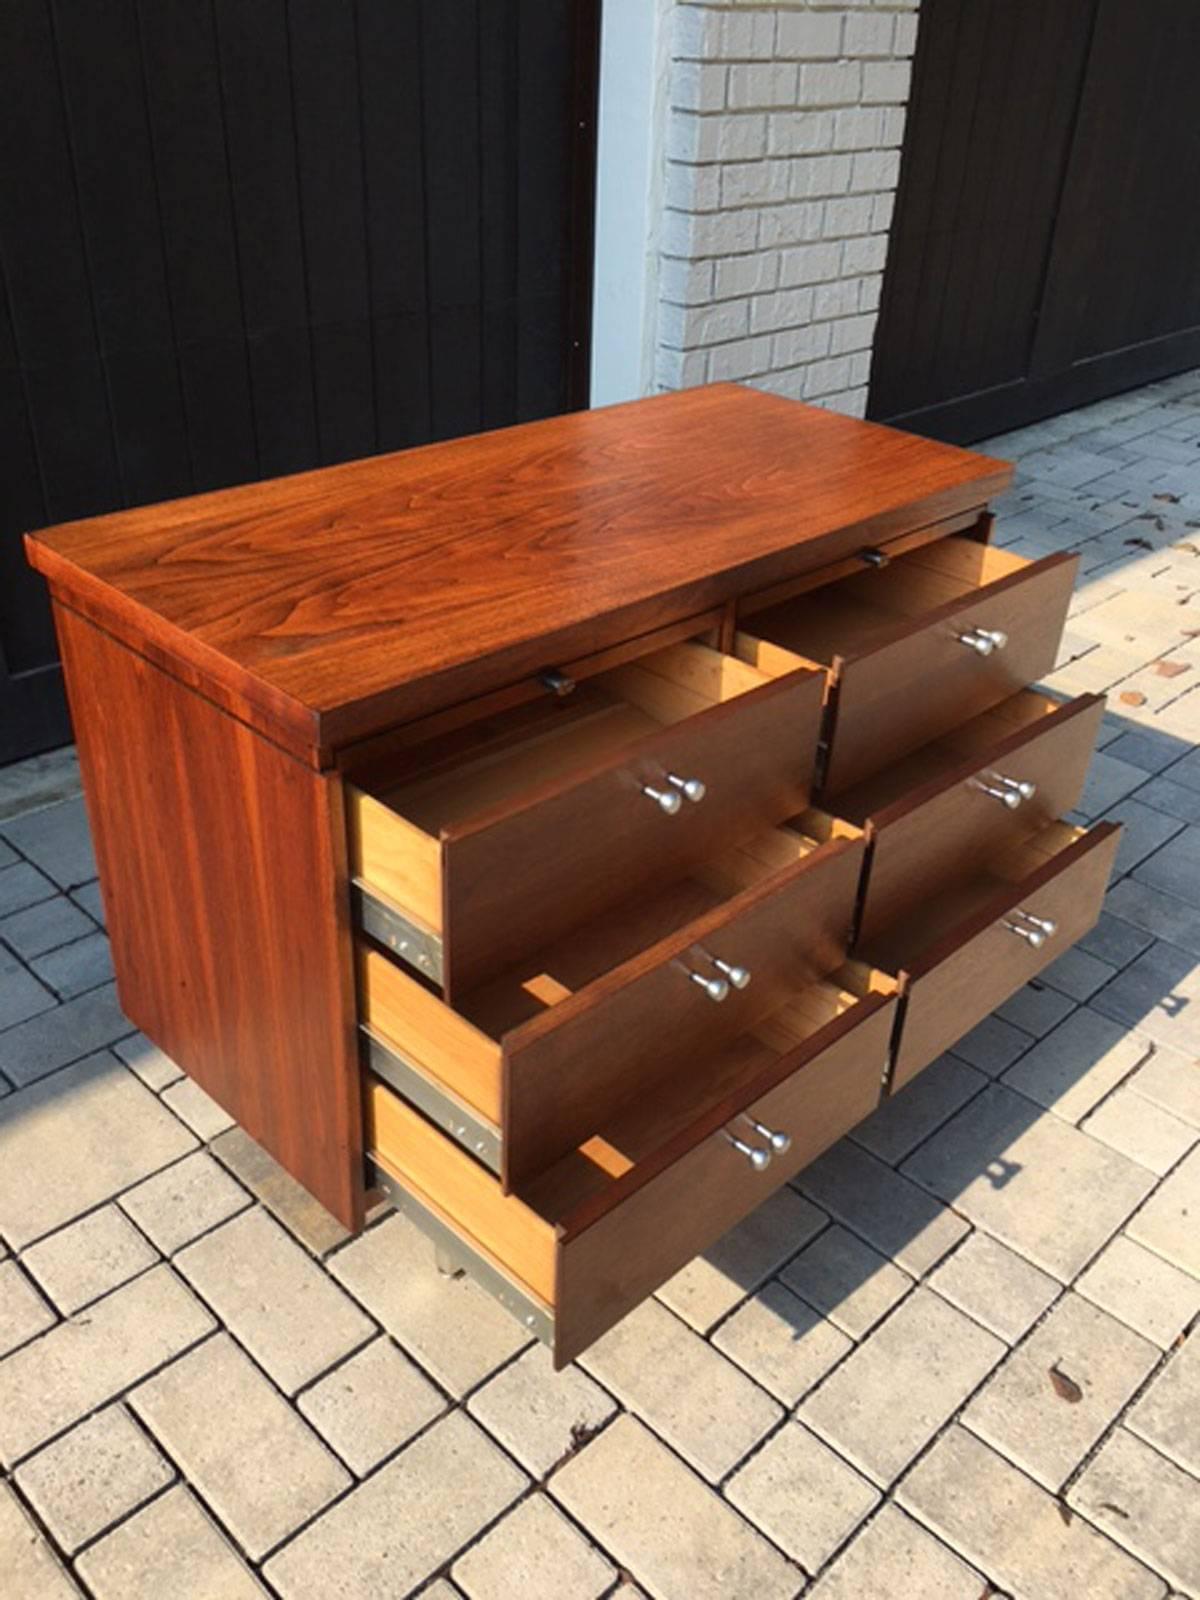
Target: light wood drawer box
(582, 1245)
(916, 647)
(539, 1057)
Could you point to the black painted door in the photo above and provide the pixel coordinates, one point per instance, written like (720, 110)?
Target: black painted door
(240, 238)
(1046, 248)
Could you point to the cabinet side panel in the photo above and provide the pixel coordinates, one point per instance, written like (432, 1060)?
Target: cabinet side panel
(222, 862)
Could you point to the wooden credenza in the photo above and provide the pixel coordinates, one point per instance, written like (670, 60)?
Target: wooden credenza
(574, 830)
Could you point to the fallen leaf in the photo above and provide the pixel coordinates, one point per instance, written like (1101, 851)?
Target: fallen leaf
(1171, 499)
(1133, 697)
(1065, 1388)
(1107, 1505)
(1170, 669)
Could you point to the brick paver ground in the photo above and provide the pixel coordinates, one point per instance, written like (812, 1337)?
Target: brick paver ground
(953, 1361)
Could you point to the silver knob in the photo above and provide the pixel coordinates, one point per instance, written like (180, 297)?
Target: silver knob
(690, 788)
(981, 643)
(715, 988)
(1021, 786)
(1006, 797)
(1035, 936)
(997, 635)
(1046, 924)
(780, 1142)
(666, 799)
(739, 977)
(760, 1160)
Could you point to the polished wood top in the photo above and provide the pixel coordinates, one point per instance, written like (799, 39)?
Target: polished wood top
(324, 607)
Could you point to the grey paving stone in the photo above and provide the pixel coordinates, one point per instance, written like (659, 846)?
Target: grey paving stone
(82, 1363)
(57, 840)
(286, 1199)
(44, 926)
(23, 1312)
(695, 1399)
(91, 897)
(1146, 1504)
(801, 1495)
(844, 1278)
(174, 1206)
(1171, 1080)
(1161, 915)
(1175, 869)
(38, 781)
(1156, 1139)
(1147, 749)
(169, 1549)
(1108, 781)
(199, 1110)
(371, 1405)
(152, 1065)
(455, 1330)
(88, 1258)
(1114, 942)
(1001, 1290)
(95, 1129)
(1035, 1009)
(1166, 1414)
(405, 1521)
(894, 1556)
(59, 1036)
(1145, 1292)
(782, 1343)
(21, 884)
(93, 1476)
(1167, 1223)
(1077, 974)
(1172, 798)
(1034, 1182)
(536, 1553)
(1014, 1531)
(261, 1469)
(712, 1284)
(1078, 1063)
(28, 1562)
(21, 995)
(911, 1115)
(888, 1399)
(274, 1298)
(540, 1416)
(662, 1522)
(77, 967)
(992, 1045)
(1021, 1412)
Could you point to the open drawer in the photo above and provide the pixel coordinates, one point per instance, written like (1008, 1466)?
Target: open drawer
(527, 1066)
(576, 1250)
(988, 783)
(966, 950)
(916, 646)
(496, 838)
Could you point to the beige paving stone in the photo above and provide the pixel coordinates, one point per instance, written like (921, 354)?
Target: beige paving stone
(710, 1286)
(88, 1258)
(1020, 1411)
(152, 1065)
(440, 1589)
(277, 1301)
(688, 1392)
(782, 1343)
(23, 1312)
(1042, 1187)
(888, 1399)
(893, 1558)
(370, 1405)
(1003, 1523)
(539, 1415)
(904, 1120)
(170, 1549)
(898, 1219)
(1078, 1063)
(92, 1476)
(1141, 1130)
(1169, 1222)
(261, 1469)
(1142, 1290)
(1171, 1080)
(843, 1277)
(80, 1364)
(998, 1288)
(801, 1495)
(1146, 1504)
(288, 1201)
(175, 1206)
(405, 1521)
(665, 1525)
(455, 1330)
(1167, 1414)
(27, 1562)
(92, 1126)
(199, 1110)
(536, 1553)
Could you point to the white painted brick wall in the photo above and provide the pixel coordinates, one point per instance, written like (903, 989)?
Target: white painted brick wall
(783, 153)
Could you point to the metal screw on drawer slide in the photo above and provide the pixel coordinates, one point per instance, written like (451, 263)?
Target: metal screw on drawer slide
(1007, 797)
(666, 799)
(780, 1142)
(758, 1159)
(557, 682)
(875, 558)
(690, 788)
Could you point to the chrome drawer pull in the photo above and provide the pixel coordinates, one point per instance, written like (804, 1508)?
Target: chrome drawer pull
(739, 977)
(981, 643)
(1021, 786)
(758, 1159)
(1035, 936)
(715, 988)
(690, 788)
(1046, 924)
(1006, 797)
(780, 1142)
(666, 799)
(998, 637)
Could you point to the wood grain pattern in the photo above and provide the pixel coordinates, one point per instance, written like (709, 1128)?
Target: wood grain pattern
(222, 862)
(323, 607)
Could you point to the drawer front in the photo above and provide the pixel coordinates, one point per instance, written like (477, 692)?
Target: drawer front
(516, 879)
(605, 1269)
(973, 972)
(922, 680)
(940, 831)
(643, 1023)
